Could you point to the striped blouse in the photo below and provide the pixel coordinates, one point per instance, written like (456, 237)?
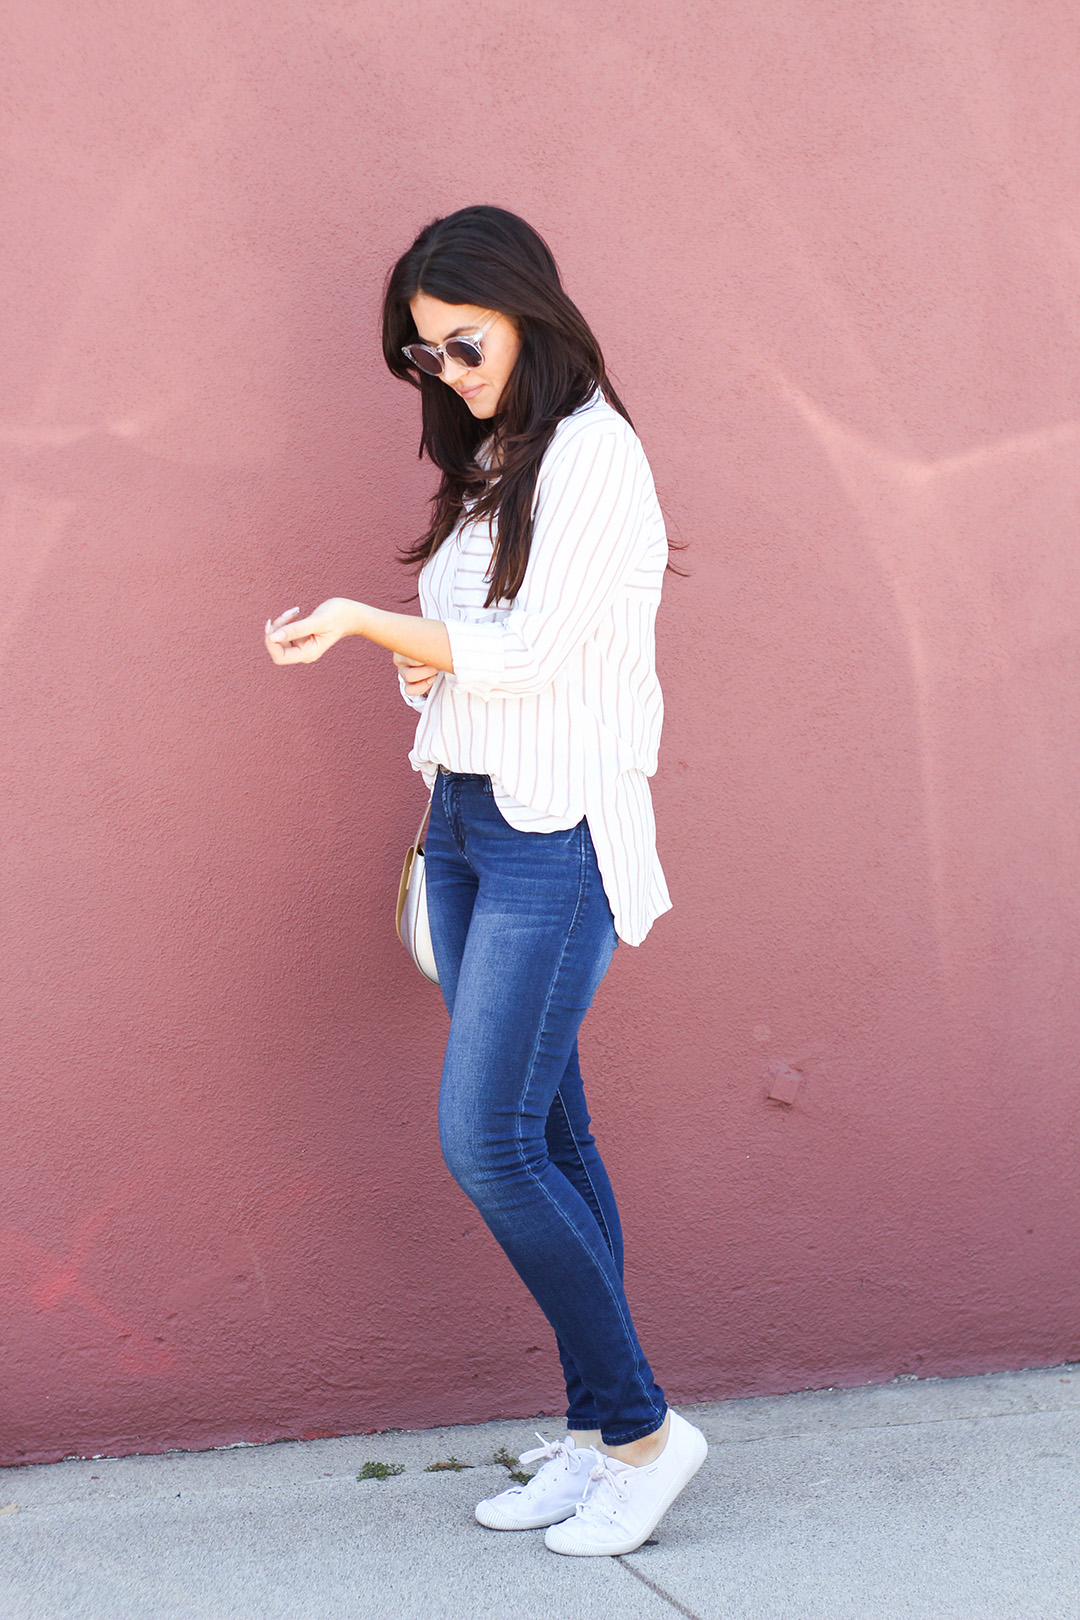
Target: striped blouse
(555, 695)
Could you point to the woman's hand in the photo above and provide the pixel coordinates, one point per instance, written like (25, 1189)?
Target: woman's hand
(418, 677)
(303, 640)
(423, 644)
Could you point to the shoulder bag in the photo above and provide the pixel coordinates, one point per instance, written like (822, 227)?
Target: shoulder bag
(412, 913)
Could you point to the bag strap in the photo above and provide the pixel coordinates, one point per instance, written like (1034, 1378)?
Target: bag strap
(406, 870)
(424, 819)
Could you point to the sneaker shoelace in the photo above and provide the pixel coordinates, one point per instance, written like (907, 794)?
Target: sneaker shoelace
(608, 1490)
(550, 1451)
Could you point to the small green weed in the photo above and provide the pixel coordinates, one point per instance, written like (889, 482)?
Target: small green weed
(518, 1475)
(378, 1470)
(451, 1465)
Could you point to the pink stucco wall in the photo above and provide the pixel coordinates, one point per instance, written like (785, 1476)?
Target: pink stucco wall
(832, 251)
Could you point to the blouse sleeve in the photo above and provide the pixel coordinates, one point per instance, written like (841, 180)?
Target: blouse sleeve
(416, 703)
(588, 539)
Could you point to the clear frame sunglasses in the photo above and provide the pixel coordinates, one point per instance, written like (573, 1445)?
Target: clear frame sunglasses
(465, 351)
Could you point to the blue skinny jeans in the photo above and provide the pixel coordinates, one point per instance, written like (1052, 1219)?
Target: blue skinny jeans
(523, 935)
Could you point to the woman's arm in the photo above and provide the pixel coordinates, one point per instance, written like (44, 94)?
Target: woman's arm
(423, 642)
(589, 537)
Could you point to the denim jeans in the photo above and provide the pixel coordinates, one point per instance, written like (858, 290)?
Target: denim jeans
(523, 935)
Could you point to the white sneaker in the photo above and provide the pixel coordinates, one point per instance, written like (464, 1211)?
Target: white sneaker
(626, 1504)
(552, 1494)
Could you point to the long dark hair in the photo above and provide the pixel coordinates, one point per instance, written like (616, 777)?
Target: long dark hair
(493, 259)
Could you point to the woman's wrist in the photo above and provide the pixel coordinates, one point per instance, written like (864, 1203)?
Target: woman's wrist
(356, 615)
(425, 641)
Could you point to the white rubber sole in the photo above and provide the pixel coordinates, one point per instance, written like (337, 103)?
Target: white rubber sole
(564, 1541)
(493, 1517)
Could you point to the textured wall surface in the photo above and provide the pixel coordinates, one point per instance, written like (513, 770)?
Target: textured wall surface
(833, 254)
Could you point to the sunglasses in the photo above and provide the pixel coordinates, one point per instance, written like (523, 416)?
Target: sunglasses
(465, 351)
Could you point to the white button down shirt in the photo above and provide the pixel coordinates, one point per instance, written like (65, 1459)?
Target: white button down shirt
(555, 695)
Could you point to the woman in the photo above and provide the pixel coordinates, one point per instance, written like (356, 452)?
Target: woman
(532, 670)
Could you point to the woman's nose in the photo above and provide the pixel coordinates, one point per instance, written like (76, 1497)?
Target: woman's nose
(451, 369)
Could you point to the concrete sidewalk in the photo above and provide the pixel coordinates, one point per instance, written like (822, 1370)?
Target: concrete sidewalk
(945, 1499)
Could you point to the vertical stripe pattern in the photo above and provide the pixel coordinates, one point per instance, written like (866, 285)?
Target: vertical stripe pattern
(555, 695)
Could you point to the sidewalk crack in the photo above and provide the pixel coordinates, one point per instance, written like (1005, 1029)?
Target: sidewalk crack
(680, 1608)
